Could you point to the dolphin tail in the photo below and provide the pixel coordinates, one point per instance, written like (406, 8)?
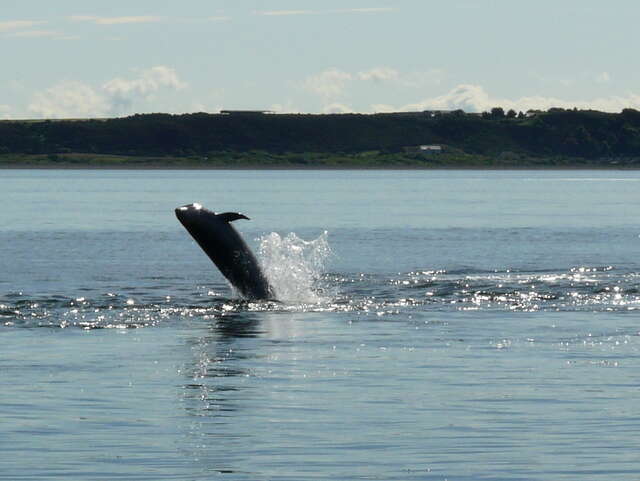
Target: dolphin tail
(231, 216)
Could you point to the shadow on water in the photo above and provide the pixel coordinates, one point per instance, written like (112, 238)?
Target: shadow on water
(237, 325)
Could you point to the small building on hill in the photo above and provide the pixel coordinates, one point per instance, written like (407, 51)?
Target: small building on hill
(425, 149)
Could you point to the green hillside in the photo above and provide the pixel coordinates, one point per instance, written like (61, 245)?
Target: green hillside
(557, 137)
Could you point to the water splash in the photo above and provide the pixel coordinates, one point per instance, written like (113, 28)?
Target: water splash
(294, 266)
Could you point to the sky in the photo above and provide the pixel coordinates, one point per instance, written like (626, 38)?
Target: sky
(84, 58)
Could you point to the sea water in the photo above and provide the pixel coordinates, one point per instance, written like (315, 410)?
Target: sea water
(460, 325)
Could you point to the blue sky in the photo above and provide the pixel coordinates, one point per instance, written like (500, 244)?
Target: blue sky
(72, 58)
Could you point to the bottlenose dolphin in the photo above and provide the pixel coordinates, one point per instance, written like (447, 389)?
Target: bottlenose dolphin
(224, 246)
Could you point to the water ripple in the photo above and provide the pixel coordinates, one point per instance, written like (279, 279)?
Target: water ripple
(577, 289)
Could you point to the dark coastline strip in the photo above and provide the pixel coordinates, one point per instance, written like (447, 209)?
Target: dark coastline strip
(264, 160)
(74, 166)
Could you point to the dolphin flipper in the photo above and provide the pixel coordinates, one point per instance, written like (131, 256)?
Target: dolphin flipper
(231, 216)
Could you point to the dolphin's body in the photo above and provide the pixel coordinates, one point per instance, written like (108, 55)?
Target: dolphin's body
(224, 246)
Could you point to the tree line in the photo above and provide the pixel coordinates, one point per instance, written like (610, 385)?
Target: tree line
(584, 134)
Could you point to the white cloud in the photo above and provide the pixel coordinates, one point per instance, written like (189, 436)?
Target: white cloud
(470, 98)
(5, 112)
(148, 81)
(9, 25)
(123, 93)
(82, 18)
(379, 74)
(115, 20)
(337, 108)
(332, 83)
(603, 78)
(286, 108)
(329, 84)
(411, 79)
(383, 108)
(203, 107)
(53, 34)
(365, 10)
(473, 98)
(282, 13)
(71, 99)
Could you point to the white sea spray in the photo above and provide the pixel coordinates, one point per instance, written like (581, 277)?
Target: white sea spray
(294, 266)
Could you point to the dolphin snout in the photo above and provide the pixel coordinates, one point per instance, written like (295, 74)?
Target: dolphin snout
(194, 206)
(186, 212)
(188, 208)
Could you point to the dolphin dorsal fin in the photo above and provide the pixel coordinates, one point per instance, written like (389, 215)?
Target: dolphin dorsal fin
(231, 216)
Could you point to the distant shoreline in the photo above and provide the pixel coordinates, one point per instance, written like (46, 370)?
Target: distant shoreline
(303, 168)
(264, 160)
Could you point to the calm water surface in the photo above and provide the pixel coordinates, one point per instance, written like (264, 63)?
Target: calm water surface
(460, 325)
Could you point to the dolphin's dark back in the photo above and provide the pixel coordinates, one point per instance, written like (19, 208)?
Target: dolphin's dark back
(226, 248)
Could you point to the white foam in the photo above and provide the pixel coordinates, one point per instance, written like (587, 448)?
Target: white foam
(294, 266)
